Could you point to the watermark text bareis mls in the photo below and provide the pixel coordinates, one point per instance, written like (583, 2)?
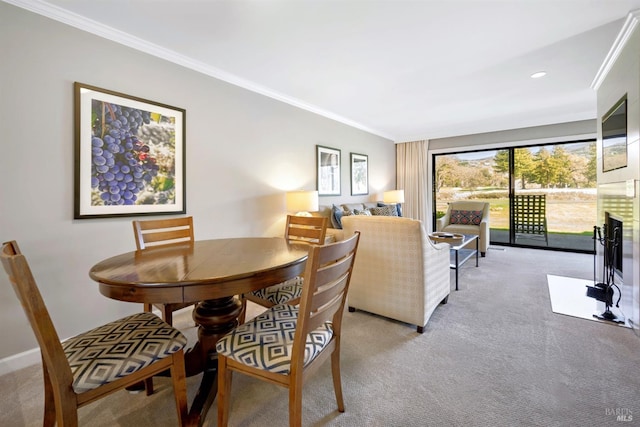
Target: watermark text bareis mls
(621, 414)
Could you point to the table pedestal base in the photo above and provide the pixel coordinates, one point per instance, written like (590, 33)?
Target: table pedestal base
(215, 319)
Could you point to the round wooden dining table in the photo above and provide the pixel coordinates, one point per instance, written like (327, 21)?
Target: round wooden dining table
(210, 273)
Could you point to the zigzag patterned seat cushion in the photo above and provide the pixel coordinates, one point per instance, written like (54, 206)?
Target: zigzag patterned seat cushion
(265, 342)
(281, 293)
(119, 348)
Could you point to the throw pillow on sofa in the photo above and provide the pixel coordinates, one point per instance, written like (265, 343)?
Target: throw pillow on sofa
(387, 210)
(396, 205)
(336, 216)
(365, 212)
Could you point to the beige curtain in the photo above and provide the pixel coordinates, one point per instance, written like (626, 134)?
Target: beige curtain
(412, 177)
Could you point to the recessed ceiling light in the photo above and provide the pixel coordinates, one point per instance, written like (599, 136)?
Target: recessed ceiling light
(538, 74)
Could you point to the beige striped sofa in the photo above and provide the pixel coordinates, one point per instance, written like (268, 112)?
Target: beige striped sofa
(399, 272)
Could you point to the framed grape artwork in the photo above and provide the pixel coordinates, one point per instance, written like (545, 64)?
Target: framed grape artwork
(129, 155)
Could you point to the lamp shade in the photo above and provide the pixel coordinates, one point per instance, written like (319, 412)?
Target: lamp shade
(302, 201)
(393, 196)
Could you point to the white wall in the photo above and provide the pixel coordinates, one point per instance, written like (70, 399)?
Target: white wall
(243, 151)
(623, 78)
(532, 135)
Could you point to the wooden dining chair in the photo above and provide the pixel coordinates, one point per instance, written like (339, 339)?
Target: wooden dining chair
(151, 234)
(287, 343)
(101, 361)
(298, 229)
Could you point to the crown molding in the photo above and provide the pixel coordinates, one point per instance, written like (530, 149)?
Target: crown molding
(623, 37)
(83, 23)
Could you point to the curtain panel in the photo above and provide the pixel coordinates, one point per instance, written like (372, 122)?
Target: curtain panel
(412, 176)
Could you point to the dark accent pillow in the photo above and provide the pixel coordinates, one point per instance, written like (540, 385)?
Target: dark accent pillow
(397, 205)
(465, 217)
(387, 210)
(336, 216)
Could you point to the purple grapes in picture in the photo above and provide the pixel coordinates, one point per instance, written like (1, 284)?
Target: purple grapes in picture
(122, 166)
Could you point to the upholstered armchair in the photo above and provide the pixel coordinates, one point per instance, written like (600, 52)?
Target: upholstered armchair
(467, 217)
(399, 272)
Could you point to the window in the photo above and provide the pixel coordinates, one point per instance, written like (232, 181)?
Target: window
(564, 174)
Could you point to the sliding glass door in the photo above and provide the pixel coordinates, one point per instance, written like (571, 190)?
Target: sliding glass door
(540, 196)
(475, 176)
(558, 184)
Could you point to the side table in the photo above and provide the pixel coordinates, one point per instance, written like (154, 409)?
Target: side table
(459, 254)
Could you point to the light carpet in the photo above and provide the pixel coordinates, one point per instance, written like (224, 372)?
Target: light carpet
(495, 355)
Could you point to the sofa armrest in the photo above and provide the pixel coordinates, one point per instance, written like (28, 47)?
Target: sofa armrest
(484, 228)
(437, 254)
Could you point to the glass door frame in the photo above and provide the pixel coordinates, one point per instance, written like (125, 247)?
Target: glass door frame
(511, 190)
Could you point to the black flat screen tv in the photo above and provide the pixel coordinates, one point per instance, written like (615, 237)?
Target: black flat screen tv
(614, 137)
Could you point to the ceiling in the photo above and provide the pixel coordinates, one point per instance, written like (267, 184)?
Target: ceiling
(401, 69)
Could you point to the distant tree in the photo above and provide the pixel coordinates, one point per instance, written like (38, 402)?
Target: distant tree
(445, 171)
(562, 167)
(579, 172)
(501, 161)
(544, 171)
(591, 172)
(524, 166)
(476, 175)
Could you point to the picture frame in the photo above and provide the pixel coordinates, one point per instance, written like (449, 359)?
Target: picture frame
(359, 174)
(328, 170)
(614, 137)
(129, 155)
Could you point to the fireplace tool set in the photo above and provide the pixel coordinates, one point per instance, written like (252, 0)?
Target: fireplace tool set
(603, 291)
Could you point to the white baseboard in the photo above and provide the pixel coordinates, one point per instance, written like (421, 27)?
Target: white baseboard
(19, 361)
(31, 357)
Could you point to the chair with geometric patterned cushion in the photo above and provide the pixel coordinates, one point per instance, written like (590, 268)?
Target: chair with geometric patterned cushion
(468, 217)
(299, 229)
(162, 232)
(287, 343)
(101, 361)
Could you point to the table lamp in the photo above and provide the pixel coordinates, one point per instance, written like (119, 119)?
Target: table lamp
(395, 197)
(302, 202)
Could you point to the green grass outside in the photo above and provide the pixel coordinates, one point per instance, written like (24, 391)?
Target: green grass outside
(568, 212)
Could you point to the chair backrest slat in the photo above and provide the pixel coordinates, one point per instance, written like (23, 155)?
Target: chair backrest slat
(309, 229)
(24, 285)
(326, 284)
(326, 306)
(162, 232)
(334, 279)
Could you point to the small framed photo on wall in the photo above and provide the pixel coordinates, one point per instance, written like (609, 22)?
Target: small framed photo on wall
(359, 174)
(328, 170)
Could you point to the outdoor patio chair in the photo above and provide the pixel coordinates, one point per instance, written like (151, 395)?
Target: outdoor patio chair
(529, 216)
